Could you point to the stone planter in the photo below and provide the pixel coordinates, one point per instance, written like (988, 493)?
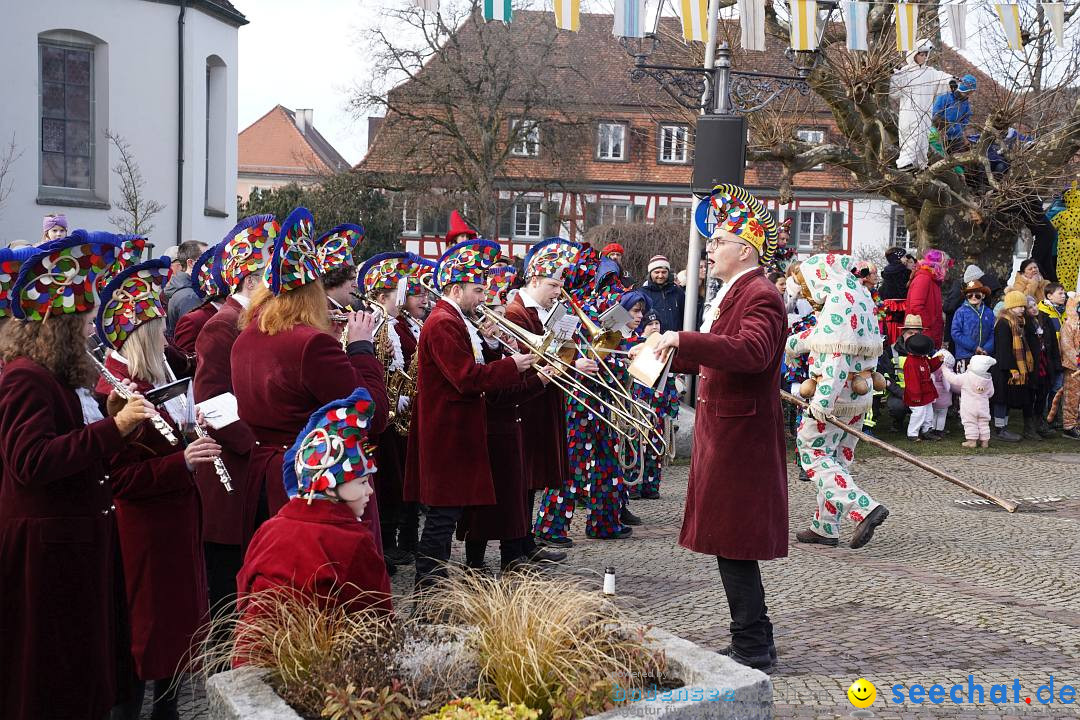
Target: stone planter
(716, 687)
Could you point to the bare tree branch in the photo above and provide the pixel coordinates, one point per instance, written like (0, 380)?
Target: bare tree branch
(135, 210)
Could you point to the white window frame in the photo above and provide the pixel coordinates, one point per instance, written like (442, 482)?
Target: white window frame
(684, 211)
(528, 143)
(529, 213)
(807, 239)
(608, 212)
(900, 237)
(606, 141)
(91, 121)
(814, 136)
(679, 144)
(410, 217)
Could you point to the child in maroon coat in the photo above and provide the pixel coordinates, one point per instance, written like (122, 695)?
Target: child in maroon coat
(316, 545)
(919, 391)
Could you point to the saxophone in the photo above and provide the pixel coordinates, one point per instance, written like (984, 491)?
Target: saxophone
(403, 385)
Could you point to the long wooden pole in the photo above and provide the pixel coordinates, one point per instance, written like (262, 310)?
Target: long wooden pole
(1008, 505)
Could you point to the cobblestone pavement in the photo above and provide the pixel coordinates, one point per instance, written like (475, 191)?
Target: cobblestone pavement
(945, 589)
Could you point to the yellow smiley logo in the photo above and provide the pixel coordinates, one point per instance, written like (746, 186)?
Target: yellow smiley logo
(862, 693)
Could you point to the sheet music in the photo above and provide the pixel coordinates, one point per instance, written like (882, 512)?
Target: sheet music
(220, 411)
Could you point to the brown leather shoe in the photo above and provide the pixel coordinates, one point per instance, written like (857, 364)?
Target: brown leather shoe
(865, 530)
(809, 536)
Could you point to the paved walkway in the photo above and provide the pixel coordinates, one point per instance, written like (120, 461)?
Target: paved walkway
(945, 589)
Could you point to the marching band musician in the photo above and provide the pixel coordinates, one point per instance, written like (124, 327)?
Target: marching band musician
(158, 513)
(335, 251)
(211, 291)
(543, 419)
(508, 519)
(286, 365)
(448, 467)
(242, 255)
(61, 613)
(636, 303)
(380, 278)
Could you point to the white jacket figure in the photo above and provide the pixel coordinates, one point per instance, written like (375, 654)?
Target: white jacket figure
(914, 87)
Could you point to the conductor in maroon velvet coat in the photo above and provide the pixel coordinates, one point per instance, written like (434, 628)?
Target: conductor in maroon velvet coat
(448, 467)
(286, 365)
(735, 510)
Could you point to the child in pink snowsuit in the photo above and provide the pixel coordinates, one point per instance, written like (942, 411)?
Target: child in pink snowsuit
(976, 388)
(944, 397)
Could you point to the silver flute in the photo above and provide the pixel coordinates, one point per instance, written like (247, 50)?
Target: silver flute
(159, 422)
(189, 410)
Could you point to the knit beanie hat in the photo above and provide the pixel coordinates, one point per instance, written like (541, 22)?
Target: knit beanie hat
(659, 261)
(1015, 299)
(980, 365)
(972, 272)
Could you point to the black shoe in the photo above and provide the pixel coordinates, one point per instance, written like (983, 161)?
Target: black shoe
(555, 542)
(518, 564)
(1044, 430)
(397, 556)
(765, 663)
(1072, 433)
(865, 530)
(542, 555)
(930, 435)
(624, 532)
(1004, 435)
(1030, 430)
(628, 518)
(650, 495)
(811, 537)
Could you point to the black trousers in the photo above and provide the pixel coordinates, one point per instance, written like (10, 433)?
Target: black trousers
(222, 564)
(751, 630)
(433, 550)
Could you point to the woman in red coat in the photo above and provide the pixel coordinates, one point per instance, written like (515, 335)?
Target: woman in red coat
(286, 365)
(158, 512)
(62, 619)
(740, 515)
(924, 294)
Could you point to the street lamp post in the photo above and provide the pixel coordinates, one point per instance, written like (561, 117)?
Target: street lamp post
(715, 89)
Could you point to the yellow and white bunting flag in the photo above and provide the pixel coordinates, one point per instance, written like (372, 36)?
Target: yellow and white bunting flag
(752, 24)
(907, 26)
(1055, 15)
(695, 20)
(804, 24)
(568, 15)
(1009, 14)
(957, 23)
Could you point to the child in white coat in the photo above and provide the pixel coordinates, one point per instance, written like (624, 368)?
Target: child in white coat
(975, 388)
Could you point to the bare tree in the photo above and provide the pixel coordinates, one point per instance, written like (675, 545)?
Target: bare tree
(136, 211)
(10, 154)
(479, 107)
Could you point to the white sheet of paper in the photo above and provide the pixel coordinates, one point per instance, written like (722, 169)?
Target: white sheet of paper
(220, 411)
(565, 328)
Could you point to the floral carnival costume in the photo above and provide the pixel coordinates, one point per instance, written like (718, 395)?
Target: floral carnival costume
(843, 348)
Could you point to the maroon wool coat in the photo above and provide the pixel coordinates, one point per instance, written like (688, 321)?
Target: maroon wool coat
(918, 385)
(508, 518)
(448, 463)
(62, 620)
(158, 515)
(543, 419)
(924, 300)
(223, 512)
(188, 327)
(734, 508)
(279, 381)
(322, 551)
(390, 461)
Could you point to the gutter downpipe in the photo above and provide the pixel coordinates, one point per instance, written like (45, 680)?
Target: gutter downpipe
(180, 124)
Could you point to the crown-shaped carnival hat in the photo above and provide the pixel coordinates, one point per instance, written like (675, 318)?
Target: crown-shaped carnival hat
(499, 282)
(551, 258)
(10, 262)
(136, 295)
(338, 247)
(422, 268)
(247, 248)
(466, 262)
(742, 215)
(59, 278)
(294, 263)
(207, 274)
(385, 270)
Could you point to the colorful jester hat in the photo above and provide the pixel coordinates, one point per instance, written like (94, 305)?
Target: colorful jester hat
(338, 247)
(10, 262)
(329, 451)
(551, 258)
(294, 263)
(742, 215)
(499, 282)
(384, 271)
(207, 273)
(136, 295)
(59, 278)
(246, 248)
(847, 322)
(421, 268)
(579, 279)
(466, 262)
(129, 250)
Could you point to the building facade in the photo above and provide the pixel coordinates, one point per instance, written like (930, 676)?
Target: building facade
(78, 72)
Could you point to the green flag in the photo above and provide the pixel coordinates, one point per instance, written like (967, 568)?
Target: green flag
(498, 10)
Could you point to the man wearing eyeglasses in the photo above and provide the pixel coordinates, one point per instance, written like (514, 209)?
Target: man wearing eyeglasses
(736, 501)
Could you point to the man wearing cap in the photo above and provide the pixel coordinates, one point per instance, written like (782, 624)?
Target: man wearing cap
(914, 87)
(615, 252)
(738, 513)
(952, 112)
(667, 297)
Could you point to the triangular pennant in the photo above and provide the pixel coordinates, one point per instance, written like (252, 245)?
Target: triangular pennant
(568, 15)
(695, 20)
(1009, 15)
(907, 25)
(957, 23)
(856, 13)
(804, 24)
(752, 21)
(1055, 14)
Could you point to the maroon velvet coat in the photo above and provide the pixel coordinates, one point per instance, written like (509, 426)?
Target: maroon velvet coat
(543, 419)
(279, 381)
(62, 623)
(390, 477)
(448, 464)
(508, 518)
(188, 326)
(320, 550)
(159, 518)
(223, 512)
(736, 501)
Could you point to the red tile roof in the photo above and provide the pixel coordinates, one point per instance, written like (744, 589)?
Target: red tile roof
(274, 145)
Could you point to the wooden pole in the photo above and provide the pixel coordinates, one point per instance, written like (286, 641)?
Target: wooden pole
(799, 402)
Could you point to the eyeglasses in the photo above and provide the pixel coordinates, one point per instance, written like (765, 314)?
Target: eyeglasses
(713, 242)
